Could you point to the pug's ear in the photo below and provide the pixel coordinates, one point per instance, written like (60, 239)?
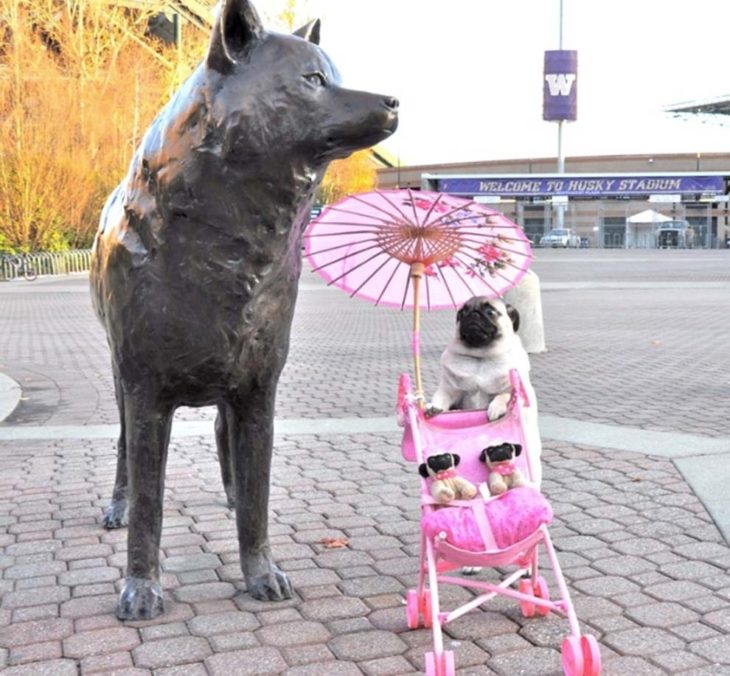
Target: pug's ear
(423, 470)
(483, 455)
(518, 449)
(514, 316)
(459, 315)
(457, 459)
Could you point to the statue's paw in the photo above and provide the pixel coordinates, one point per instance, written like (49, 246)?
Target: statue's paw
(272, 587)
(115, 515)
(140, 599)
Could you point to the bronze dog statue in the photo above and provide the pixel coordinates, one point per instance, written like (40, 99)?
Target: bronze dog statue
(195, 272)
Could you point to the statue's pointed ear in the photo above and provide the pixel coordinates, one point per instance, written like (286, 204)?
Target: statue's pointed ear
(310, 31)
(236, 30)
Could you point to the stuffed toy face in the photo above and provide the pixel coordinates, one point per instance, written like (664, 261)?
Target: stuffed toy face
(500, 453)
(438, 463)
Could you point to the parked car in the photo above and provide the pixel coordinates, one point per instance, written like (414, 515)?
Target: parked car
(563, 237)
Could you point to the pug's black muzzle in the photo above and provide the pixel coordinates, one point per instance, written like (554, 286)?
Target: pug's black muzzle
(477, 330)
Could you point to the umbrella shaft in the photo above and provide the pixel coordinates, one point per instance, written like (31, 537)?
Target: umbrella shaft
(416, 340)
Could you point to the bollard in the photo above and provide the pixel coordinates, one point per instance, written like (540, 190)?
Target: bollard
(526, 298)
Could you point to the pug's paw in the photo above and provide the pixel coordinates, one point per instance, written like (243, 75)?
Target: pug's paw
(431, 411)
(497, 408)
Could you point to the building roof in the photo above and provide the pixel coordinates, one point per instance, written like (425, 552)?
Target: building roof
(715, 106)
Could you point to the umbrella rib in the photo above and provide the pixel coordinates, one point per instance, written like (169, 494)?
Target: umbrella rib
(507, 262)
(390, 279)
(374, 245)
(448, 288)
(349, 255)
(352, 269)
(482, 278)
(405, 292)
(472, 243)
(398, 209)
(379, 208)
(349, 224)
(431, 208)
(375, 272)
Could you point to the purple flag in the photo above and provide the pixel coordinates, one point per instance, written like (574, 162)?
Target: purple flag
(560, 86)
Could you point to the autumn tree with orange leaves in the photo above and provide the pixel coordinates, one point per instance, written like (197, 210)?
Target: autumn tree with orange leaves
(80, 81)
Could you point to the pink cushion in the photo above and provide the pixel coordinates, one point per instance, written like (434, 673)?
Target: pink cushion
(513, 516)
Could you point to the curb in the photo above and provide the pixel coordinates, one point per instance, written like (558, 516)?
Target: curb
(10, 393)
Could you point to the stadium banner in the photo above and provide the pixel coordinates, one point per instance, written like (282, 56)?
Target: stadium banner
(580, 185)
(560, 86)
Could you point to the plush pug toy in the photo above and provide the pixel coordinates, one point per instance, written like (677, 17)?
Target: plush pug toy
(503, 473)
(446, 485)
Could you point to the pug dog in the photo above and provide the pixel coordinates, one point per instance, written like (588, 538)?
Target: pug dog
(476, 363)
(475, 370)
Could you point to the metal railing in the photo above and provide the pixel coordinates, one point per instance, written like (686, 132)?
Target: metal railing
(62, 263)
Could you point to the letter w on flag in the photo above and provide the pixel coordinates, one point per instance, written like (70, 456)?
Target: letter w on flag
(560, 84)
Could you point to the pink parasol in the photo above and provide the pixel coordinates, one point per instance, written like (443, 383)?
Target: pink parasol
(417, 249)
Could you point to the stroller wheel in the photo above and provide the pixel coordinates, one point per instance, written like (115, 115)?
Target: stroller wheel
(572, 656)
(542, 592)
(440, 665)
(412, 609)
(527, 607)
(426, 609)
(591, 655)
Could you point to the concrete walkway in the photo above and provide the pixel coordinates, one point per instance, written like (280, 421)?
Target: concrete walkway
(635, 462)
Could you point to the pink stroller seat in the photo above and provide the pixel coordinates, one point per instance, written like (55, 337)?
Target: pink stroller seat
(485, 531)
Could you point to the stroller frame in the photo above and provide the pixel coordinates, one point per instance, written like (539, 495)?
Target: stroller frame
(453, 431)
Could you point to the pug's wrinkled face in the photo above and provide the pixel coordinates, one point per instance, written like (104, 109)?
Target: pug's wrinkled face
(481, 321)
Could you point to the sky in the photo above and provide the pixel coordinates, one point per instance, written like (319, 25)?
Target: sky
(469, 73)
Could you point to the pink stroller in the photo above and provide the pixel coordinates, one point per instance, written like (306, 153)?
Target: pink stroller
(484, 531)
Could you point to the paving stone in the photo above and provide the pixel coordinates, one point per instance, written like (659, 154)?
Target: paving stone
(35, 652)
(371, 586)
(223, 623)
(368, 645)
(330, 668)
(23, 633)
(623, 565)
(158, 631)
(89, 576)
(306, 654)
(662, 615)
(170, 652)
(349, 625)
(679, 660)
(100, 641)
(47, 668)
(235, 641)
(535, 662)
(635, 666)
(106, 663)
(642, 641)
(676, 591)
(262, 661)
(177, 564)
(293, 633)
(34, 570)
(715, 650)
(35, 597)
(333, 608)
(606, 586)
(387, 666)
(196, 669)
(208, 591)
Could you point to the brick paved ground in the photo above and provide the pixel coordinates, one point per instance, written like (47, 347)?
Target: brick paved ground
(646, 566)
